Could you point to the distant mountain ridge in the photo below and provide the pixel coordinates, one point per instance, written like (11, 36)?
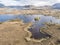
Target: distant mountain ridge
(1, 5)
(56, 6)
(21, 7)
(26, 6)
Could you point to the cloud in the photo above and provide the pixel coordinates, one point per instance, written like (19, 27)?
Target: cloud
(35, 2)
(29, 2)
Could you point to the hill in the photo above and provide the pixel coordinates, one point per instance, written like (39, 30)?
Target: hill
(56, 6)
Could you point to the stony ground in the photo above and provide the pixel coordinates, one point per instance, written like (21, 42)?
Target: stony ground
(12, 33)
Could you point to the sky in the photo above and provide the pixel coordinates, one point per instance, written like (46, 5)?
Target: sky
(29, 2)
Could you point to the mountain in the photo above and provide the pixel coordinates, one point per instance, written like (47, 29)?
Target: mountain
(13, 6)
(56, 6)
(29, 6)
(1, 5)
(21, 7)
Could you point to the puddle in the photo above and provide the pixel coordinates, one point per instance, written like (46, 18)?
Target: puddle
(35, 28)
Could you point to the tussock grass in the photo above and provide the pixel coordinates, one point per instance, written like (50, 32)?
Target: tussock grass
(37, 18)
(0, 22)
(13, 20)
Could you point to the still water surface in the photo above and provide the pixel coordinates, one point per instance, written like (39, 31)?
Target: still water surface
(36, 24)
